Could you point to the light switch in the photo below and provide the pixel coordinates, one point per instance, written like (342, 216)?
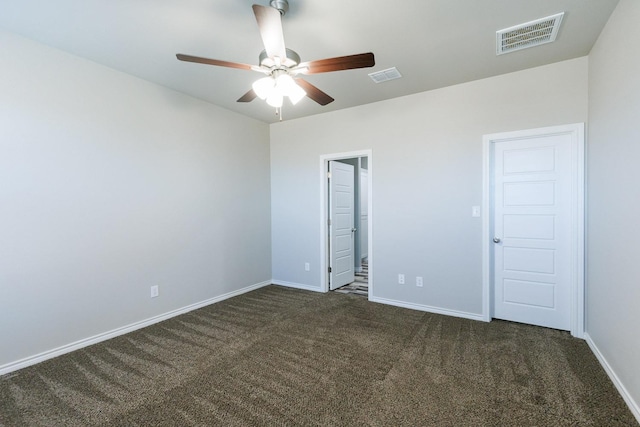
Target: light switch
(475, 211)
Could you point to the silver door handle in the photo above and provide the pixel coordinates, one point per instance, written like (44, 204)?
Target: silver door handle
(353, 230)
(496, 240)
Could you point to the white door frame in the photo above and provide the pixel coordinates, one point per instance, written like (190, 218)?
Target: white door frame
(577, 284)
(324, 197)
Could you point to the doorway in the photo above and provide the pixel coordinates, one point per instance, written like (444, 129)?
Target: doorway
(346, 222)
(533, 227)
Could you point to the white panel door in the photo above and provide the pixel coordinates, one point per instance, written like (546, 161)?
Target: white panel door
(532, 230)
(341, 230)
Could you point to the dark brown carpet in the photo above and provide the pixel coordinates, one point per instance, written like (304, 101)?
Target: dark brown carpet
(279, 356)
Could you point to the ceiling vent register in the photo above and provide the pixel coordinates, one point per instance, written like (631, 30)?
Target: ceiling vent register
(530, 34)
(385, 75)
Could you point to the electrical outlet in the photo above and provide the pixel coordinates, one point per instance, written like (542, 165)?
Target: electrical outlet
(155, 291)
(401, 279)
(419, 282)
(307, 267)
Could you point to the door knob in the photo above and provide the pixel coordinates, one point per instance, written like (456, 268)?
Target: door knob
(496, 240)
(353, 230)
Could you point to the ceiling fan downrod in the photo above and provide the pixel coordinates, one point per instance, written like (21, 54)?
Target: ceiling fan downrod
(281, 5)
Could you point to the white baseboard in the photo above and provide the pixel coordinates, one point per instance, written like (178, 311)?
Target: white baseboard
(428, 308)
(296, 285)
(633, 405)
(50, 354)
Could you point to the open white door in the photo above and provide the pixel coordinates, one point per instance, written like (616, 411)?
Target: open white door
(535, 228)
(341, 229)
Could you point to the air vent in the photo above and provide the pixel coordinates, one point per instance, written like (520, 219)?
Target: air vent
(385, 75)
(530, 34)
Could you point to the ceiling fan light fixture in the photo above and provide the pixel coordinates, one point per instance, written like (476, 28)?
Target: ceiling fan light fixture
(288, 87)
(275, 99)
(296, 94)
(264, 87)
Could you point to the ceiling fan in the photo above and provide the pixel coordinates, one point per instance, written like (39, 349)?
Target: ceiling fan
(282, 66)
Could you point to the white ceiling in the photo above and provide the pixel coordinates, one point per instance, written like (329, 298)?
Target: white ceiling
(433, 43)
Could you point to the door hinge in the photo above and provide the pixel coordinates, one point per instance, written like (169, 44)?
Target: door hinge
(329, 269)
(329, 222)
(329, 175)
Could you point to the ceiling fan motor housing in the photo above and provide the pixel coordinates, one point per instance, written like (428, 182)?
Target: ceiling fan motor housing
(290, 61)
(281, 5)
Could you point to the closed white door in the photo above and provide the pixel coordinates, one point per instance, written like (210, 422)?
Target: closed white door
(341, 230)
(533, 227)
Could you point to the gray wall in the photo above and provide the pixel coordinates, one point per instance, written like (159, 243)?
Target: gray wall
(108, 185)
(613, 277)
(427, 174)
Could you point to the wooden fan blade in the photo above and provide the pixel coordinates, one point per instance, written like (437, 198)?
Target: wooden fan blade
(350, 62)
(314, 93)
(270, 26)
(217, 62)
(248, 97)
